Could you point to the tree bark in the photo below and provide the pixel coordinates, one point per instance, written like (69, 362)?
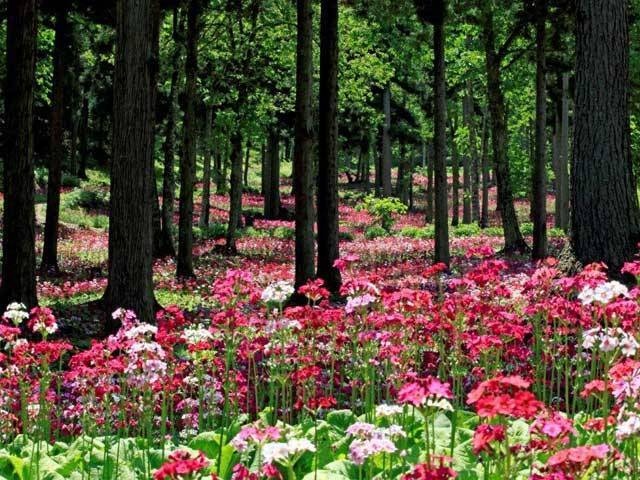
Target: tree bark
(385, 171)
(513, 240)
(184, 264)
(486, 174)
(455, 170)
(235, 192)
(167, 245)
(272, 175)
(430, 182)
(564, 154)
(555, 159)
(18, 239)
(130, 230)
(302, 181)
(206, 174)
(247, 158)
(605, 215)
(441, 254)
(327, 186)
(474, 180)
(539, 187)
(83, 149)
(466, 171)
(49, 263)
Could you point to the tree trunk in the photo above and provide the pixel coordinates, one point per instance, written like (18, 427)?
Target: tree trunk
(327, 193)
(235, 192)
(605, 215)
(474, 166)
(302, 181)
(206, 175)
(130, 230)
(539, 187)
(513, 240)
(385, 172)
(486, 174)
(467, 161)
(167, 246)
(564, 154)
(404, 176)
(455, 170)
(430, 182)
(49, 263)
(184, 264)
(441, 254)
(555, 159)
(247, 158)
(263, 169)
(18, 239)
(272, 175)
(84, 137)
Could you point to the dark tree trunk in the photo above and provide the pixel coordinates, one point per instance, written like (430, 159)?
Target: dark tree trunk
(206, 174)
(513, 240)
(49, 263)
(263, 169)
(430, 182)
(272, 175)
(441, 253)
(564, 154)
(455, 170)
(156, 215)
(235, 192)
(218, 170)
(327, 193)
(84, 136)
(18, 239)
(555, 160)
(302, 180)
(474, 166)
(247, 158)
(486, 174)
(184, 264)
(403, 182)
(539, 187)
(385, 172)
(167, 246)
(604, 222)
(466, 172)
(130, 230)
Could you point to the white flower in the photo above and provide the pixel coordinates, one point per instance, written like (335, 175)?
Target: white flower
(354, 303)
(16, 313)
(441, 404)
(388, 410)
(627, 428)
(195, 335)
(608, 343)
(277, 292)
(281, 452)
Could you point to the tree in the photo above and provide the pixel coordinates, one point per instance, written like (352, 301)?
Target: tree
(184, 261)
(206, 174)
(386, 160)
(271, 174)
(605, 215)
(455, 171)
(130, 282)
(513, 240)
(484, 214)
(539, 179)
(18, 239)
(302, 183)
(62, 43)
(327, 189)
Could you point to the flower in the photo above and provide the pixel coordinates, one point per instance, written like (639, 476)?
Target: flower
(16, 313)
(282, 452)
(278, 292)
(42, 321)
(485, 434)
(388, 410)
(181, 464)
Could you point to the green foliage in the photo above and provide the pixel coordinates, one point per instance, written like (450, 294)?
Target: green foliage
(427, 232)
(383, 210)
(213, 230)
(89, 199)
(375, 231)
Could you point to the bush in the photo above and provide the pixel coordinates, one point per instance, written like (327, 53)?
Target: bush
(345, 236)
(466, 230)
(427, 232)
(526, 228)
(375, 231)
(283, 233)
(213, 230)
(69, 180)
(493, 231)
(87, 199)
(383, 209)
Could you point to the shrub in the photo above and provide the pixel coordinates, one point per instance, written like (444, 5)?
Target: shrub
(87, 199)
(69, 180)
(283, 233)
(213, 230)
(375, 231)
(427, 232)
(383, 209)
(466, 230)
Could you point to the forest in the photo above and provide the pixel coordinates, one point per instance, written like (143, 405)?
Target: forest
(320, 240)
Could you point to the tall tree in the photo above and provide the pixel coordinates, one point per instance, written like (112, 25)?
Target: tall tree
(184, 261)
(433, 11)
(206, 174)
(61, 45)
(605, 216)
(18, 239)
(327, 189)
(484, 214)
(539, 177)
(130, 230)
(513, 240)
(302, 182)
(271, 174)
(386, 160)
(455, 172)
(166, 244)
(563, 160)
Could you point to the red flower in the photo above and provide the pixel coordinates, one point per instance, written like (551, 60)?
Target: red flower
(484, 435)
(180, 464)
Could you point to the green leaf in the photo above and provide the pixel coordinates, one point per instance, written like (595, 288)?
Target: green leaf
(341, 419)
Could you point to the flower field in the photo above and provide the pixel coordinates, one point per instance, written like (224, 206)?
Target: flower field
(501, 370)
